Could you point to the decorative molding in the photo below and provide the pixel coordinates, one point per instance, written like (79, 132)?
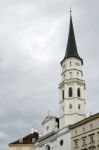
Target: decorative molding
(72, 98)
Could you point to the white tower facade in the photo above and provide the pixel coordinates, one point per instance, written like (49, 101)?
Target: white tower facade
(72, 88)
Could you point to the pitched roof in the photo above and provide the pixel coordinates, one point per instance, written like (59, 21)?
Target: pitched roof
(71, 50)
(27, 139)
(49, 118)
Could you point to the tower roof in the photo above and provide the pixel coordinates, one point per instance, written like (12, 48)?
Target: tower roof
(71, 49)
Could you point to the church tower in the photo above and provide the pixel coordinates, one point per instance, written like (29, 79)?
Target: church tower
(72, 88)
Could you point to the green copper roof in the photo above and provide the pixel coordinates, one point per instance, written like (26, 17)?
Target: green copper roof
(71, 50)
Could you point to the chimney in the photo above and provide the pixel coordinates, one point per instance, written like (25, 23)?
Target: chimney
(32, 130)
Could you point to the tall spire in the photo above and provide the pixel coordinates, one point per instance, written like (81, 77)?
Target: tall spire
(71, 50)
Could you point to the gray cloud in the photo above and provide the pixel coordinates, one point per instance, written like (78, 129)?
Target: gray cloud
(33, 36)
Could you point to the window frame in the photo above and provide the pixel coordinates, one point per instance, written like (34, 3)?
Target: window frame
(70, 92)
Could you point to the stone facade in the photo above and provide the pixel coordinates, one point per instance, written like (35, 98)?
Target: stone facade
(85, 134)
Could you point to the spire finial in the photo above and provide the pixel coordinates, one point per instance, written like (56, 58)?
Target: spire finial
(71, 49)
(48, 112)
(70, 11)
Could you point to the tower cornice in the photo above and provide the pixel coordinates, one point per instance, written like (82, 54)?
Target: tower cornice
(70, 81)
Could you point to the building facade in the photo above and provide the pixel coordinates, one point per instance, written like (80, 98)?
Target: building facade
(85, 134)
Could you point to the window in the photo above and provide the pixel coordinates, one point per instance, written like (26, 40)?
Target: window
(70, 106)
(70, 74)
(98, 136)
(92, 148)
(91, 139)
(70, 63)
(20, 140)
(76, 143)
(83, 129)
(61, 142)
(70, 92)
(84, 141)
(33, 140)
(63, 94)
(47, 147)
(79, 106)
(47, 128)
(78, 92)
(91, 127)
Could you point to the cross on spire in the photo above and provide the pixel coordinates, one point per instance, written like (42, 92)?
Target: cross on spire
(48, 112)
(70, 11)
(71, 49)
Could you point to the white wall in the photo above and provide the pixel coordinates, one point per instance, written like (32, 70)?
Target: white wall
(71, 78)
(49, 126)
(54, 142)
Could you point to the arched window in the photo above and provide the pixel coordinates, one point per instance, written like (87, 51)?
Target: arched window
(70, 92)
(63, 95)
(78, 92)
(47, 147)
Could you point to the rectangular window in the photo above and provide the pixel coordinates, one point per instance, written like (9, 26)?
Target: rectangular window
(20, 140)
(83, 129)
(84, 141)
(76, 143)
(91, 139)
(98, 136)
(91, 127)
(70, 106)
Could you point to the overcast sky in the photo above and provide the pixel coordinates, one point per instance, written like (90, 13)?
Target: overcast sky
(33, 37)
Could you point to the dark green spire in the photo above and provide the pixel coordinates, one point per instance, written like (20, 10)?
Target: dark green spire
(71, 50)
